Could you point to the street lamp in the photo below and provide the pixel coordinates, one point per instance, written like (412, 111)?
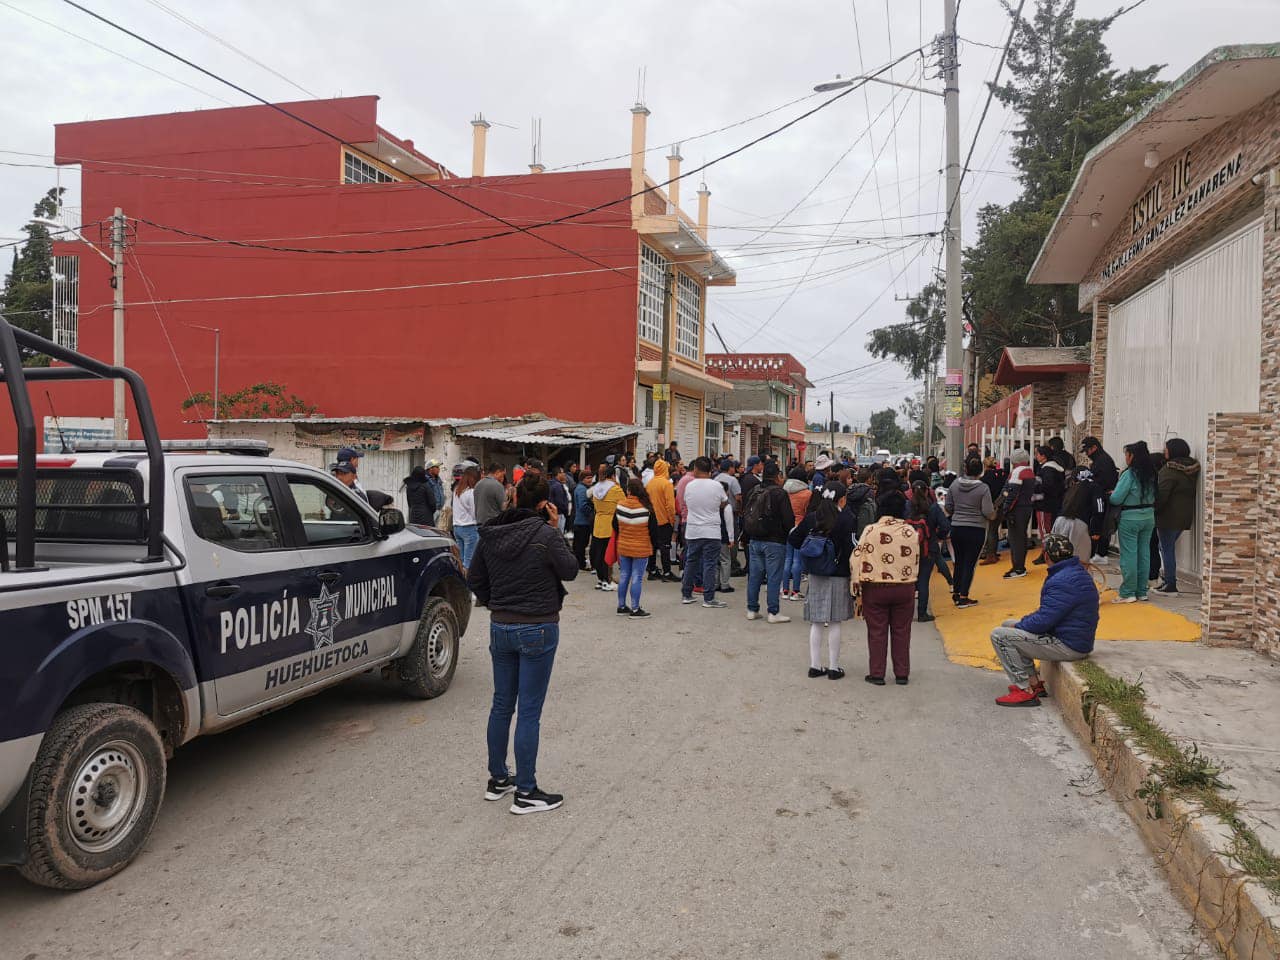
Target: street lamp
(840, 83)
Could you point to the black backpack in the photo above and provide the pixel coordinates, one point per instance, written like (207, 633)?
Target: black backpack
(756, 519)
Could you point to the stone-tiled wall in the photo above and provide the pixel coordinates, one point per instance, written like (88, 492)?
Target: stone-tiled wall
(1267, 634)
(1233, 555)
(1051, 402)
(1097, 391)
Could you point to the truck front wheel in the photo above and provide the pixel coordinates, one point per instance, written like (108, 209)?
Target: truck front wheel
(96, 789)
(427, 669)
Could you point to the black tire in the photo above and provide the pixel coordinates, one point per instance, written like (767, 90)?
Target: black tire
(96, 788)
(427, 669)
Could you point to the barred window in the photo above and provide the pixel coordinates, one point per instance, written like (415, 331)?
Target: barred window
(653, 277)
(688, 317)
(357, 170)
(66, 301)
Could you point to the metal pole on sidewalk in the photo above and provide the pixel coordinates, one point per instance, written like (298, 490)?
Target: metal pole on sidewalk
(119, 429)
(955, 325)
(668, 296)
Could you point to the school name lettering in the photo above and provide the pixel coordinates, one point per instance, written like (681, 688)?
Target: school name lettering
(1151, 203)
(316, 663)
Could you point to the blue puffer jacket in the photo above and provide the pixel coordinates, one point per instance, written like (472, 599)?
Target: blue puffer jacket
(1068, 606)
(583, 515)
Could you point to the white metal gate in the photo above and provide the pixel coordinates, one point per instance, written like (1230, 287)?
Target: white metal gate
(1185, 347)
(687, 433)
(384, 470)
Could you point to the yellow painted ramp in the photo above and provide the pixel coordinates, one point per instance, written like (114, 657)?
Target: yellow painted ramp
(966, 634)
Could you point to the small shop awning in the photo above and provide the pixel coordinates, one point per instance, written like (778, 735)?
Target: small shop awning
(761, 417)
(1023, 365)
(551, 433)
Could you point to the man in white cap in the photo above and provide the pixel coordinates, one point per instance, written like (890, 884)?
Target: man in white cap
(436, 484)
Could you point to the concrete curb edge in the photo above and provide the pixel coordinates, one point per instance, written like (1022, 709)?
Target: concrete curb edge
(1239, 914)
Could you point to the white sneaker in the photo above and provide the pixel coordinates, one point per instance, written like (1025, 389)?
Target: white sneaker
(753, 614)
(1097, 559)
(778, 618)
(1125, 600)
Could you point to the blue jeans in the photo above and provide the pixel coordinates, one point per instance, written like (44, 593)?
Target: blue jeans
(766, 564)
(701, 559)
(1168, 561)
(792, 569)
(467, 535)
(631, 572)
(522, 657)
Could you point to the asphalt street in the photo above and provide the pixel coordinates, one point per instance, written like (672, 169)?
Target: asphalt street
(718, 804)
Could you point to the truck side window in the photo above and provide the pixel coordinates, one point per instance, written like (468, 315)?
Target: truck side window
(235, 511)
(328, 516)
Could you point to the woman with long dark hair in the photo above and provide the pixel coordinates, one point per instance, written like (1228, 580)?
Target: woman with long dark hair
(464, 514)
(1135, 495)
(824, 541)
(1175, 505)
(637, 531)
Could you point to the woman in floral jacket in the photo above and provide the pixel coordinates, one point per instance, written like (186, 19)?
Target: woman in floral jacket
(885, 565)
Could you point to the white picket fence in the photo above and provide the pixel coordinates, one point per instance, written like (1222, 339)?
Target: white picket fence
(1000, 441)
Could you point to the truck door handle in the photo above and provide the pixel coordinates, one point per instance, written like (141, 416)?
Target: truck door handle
(221, 591)
(329, 577)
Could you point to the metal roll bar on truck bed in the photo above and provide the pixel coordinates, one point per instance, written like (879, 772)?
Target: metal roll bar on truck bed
(78, 367)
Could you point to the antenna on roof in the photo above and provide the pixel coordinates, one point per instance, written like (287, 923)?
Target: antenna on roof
(642, 76)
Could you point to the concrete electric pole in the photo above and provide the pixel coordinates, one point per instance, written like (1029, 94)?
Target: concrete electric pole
(120, 430)
(952, 400)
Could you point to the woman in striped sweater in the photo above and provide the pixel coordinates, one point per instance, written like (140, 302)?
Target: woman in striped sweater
(637, 531)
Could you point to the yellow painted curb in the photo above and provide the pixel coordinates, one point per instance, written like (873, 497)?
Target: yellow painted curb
(966, 634)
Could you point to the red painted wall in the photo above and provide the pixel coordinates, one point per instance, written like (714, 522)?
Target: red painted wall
(560, 345)
(1002, 413)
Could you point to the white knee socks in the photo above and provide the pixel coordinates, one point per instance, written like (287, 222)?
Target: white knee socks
(815, 645)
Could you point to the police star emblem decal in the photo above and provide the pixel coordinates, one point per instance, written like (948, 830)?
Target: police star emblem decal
(324, 617)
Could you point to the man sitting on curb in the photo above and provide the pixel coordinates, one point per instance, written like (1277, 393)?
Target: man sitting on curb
(1063, 628)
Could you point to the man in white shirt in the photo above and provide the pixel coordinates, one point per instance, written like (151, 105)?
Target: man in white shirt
(709, 517)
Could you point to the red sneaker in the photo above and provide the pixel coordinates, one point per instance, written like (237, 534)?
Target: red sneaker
(697, 589)
(1017, 697)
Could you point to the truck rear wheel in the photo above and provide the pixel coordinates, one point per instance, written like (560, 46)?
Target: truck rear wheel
(427, 669)
(96, 788)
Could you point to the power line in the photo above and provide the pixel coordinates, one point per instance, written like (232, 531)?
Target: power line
(322, 131)
(115, 53)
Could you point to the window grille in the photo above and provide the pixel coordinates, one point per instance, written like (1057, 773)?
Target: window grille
(357, 170)
(688, 317)
(653, 277)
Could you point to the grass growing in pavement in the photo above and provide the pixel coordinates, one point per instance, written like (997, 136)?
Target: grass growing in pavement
(1177, 770)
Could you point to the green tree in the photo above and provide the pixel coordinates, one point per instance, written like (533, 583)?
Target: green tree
(885, 430)
(1067, 96)
(27, 301)
(916, 343)
(267, 399)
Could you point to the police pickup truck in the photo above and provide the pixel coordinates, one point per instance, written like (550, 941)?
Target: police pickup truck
(150, 597)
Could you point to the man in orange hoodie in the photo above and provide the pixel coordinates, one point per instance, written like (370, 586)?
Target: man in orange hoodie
(663, 495)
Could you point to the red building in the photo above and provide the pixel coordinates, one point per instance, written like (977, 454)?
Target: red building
(768, 400)
(326, 269)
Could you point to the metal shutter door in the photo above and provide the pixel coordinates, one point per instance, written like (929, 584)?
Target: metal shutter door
(686, 431)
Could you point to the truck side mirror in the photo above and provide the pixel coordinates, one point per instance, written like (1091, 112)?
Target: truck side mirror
(390, 520)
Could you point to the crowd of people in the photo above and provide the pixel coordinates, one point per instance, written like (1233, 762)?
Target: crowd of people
(847, 541)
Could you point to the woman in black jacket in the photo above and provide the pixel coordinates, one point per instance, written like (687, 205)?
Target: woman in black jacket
(828, 602)
(422, 502)
(994, 478)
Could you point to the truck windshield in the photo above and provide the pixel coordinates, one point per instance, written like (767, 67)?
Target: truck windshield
(81, 506)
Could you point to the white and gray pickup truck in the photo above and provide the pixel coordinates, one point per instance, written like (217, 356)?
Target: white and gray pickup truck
(150, 597)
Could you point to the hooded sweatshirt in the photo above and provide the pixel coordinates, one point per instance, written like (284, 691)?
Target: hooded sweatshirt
(969, 503)
(605, 497)
(800, 495)
(663, 494)
(518, 568)
(1176, 494)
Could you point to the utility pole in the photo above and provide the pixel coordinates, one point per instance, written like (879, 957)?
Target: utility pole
(831, 422)
(668, 297)
(120, 430)
(955, 322)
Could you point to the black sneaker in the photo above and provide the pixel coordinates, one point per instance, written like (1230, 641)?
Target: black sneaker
(726, 589)
(965, 602)
(535, 801)
(926, 618)
(639, 613)
(1015, 574)
(1166, 588)
(497, 789)
(624, 611)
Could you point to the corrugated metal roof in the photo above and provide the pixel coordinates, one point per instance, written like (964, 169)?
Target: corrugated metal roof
(553, 433)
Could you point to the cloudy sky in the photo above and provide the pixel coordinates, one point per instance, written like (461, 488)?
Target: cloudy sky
(802, 217)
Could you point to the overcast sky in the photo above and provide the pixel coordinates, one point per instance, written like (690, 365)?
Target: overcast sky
(575, 65)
